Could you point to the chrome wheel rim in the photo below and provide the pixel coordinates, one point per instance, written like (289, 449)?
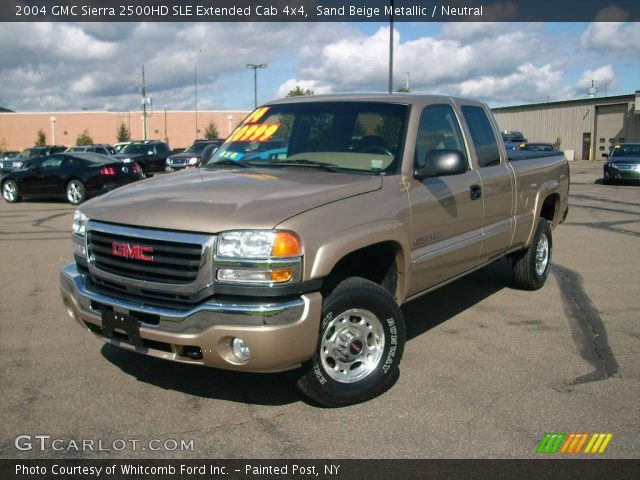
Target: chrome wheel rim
(542, 254)
(74, 192)
(9, 191)
(352, 345)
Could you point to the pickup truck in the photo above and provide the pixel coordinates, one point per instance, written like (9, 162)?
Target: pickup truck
(301, 259)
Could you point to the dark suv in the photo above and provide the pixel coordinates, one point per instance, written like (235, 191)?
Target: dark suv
(192, 156)
(151, 155)
(15, 163)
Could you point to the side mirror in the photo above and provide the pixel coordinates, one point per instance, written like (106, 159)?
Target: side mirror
(439, 163)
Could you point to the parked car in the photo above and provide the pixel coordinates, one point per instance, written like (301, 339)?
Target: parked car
(42, 151)
(192, 156)
(119, 146)
(512, 136)
(151, 155)
(74, 176)
(623, 163)
(95, 148)
(538, 147)
(302, 259)
(10, 161)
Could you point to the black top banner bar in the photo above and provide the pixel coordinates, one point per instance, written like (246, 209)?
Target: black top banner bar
(318, 11)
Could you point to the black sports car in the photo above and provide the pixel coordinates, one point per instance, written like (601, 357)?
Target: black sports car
(74, 176)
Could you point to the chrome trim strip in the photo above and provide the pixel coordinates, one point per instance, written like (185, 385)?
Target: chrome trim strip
(448, 248)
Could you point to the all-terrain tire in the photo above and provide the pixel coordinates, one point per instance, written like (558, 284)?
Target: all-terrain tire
(531, 266)
(360, 344)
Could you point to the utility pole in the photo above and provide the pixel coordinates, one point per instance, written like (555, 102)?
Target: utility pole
(143, 91)
(391, 50)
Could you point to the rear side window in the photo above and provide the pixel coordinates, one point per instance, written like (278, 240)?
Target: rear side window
(483, 137)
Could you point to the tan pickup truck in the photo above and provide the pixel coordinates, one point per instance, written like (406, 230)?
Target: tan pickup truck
(296, 244)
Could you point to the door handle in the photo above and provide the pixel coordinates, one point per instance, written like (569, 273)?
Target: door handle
(475, 192)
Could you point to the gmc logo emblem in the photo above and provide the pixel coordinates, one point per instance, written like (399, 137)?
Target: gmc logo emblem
(135, 252)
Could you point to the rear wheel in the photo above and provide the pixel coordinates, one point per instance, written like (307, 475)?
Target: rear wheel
(10, 191)
(361, 340)
(531, 266)
(75, 192)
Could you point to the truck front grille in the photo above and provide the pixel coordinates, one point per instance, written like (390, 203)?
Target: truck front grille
(171, 262)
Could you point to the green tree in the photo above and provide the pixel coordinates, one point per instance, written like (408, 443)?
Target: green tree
(211, 132)
(42, 138)
(123, 135)
(84, 138)
(403, 90)
(298, 91)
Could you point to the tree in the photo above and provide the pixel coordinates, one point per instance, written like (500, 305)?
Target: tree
(298, 91)
(84, 138)
(123, 135)
(403, 90)
(211, 132)
(42, 138)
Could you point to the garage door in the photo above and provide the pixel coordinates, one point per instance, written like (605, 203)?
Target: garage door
(611, 127)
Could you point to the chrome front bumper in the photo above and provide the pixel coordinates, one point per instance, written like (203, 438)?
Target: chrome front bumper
(280, 334)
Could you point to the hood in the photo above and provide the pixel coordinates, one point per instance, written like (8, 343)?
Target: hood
(210, 201)
(186, 155)
(623, 160)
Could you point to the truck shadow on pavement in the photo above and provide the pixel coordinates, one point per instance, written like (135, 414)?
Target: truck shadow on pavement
(421, 315)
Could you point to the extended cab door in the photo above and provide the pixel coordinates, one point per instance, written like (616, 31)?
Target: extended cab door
(497, 181)
(446, 212)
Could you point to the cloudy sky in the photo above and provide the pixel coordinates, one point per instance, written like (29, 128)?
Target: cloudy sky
(96, 66)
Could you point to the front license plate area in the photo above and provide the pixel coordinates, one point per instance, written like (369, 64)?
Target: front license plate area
(129, 325)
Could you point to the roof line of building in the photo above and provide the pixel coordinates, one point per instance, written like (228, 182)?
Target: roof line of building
(124, 112)
(609, 99)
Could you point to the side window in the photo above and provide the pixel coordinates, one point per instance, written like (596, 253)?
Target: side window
(438, 130)
(51, 162)
(482, 134)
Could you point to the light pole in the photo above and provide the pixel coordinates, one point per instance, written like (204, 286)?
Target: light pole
(166, 139)
(255, 68)
(53, 130)
(195, 81)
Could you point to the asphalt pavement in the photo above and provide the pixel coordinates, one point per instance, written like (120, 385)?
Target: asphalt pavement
(488, 370)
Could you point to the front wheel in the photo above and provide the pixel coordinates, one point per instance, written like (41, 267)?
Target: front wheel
(10, 191)
(531, 266)
(361, 340)
(75, 192)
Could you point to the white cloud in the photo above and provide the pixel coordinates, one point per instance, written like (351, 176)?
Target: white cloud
(603, 75)
(613, 38)
(313, 85)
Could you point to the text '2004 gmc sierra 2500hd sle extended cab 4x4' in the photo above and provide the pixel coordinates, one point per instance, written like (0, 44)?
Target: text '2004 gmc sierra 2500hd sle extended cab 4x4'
(296, 244)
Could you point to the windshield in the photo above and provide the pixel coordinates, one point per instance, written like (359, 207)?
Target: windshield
(196, 147)
(626, 151)
(134, 148)
(358, 137)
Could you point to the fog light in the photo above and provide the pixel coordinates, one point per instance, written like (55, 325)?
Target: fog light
(240, 350)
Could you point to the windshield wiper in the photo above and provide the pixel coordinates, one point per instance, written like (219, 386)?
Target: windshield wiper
(329, 167)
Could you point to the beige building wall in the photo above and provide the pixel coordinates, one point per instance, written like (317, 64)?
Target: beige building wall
(20, 130)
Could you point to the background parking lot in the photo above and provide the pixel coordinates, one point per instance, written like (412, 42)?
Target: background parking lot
(487, 370)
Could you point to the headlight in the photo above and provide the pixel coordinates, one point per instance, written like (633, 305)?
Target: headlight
(18, 164)
(126, 160)
(258, 244)
(614, 166)
(193, 160)
(258, 257)
(79, 230)
(79, 223)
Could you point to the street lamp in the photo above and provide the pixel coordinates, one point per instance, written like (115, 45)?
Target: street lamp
(166, 139)
(53, 130)
(255, 68)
